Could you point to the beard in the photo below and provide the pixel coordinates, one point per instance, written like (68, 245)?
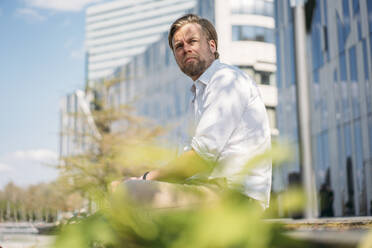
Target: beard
(194, 68)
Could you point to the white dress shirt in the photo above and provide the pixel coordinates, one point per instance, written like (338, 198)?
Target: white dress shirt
(231, 127)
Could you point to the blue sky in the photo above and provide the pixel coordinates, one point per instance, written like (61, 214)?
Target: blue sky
(41, 60)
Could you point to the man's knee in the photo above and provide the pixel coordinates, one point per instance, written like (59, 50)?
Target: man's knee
(157, 194)
(141, 191)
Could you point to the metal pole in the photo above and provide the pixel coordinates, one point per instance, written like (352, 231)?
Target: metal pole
(308, 177)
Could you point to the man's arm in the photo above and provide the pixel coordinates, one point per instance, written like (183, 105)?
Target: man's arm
(186, 165)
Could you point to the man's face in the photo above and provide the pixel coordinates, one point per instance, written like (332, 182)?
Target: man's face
(193, 53)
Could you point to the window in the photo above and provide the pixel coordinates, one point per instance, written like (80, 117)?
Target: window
(325, 12)
(335, 77)
(370, 133)
(260, 34)
(359, 165)
(278, 13)
(260, 77)
(369, 7)
(147, 59)
(253, 7)
(339, 141)
(265, 77)
(365, 59)
(325, 40)
(325, 30)
(252, 33)
(316, 76)
(347, 137)
(118, 95)
(370, 44)
(346, 15)
(316, 38)
(128, 77)
(340, 39)
(271, 113)
(278, 61)
(355, 6)
(248, 33)
(342, 60)
(235, 33)
(359, 28)
(260, 7)
(290, 60)
(268, 9)
(322, 156)
(353, 64)
(340, 169)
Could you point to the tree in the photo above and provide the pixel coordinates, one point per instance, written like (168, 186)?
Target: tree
(119, 146)
(36, 202)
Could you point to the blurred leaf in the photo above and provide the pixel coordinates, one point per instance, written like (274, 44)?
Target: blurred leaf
(366, 241)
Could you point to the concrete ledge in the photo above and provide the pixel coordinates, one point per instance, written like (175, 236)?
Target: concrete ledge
(329, 239)
(342, 223)
(345, 232)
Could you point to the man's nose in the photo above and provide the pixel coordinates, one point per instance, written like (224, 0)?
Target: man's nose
(187, 48)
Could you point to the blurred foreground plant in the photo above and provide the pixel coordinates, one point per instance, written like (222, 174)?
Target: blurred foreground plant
(230, 221)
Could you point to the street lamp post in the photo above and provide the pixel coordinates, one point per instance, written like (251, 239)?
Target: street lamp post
(303, 108)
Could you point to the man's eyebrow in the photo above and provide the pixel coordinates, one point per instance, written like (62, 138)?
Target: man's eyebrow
(177, 43)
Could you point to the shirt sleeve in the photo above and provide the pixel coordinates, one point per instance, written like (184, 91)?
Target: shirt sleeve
(222, 106)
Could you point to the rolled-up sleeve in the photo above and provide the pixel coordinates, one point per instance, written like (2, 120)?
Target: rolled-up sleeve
(221, 107)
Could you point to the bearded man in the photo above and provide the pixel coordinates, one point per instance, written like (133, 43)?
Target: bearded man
(231, 127)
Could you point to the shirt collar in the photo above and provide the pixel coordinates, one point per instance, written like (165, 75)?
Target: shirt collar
(208, 73)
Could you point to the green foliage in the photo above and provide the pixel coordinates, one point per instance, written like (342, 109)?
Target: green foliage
(115, 154)
(232, 220)
(367, 241)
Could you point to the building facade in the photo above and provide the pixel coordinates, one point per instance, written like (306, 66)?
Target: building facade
(121, 47)
(116, 31)
(339, 66)
(76, 124)
(142, 70)
(162, 91)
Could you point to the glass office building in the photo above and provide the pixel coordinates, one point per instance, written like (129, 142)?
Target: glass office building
(152, 81)
(149, 78)
(339, 43)
(116, 31)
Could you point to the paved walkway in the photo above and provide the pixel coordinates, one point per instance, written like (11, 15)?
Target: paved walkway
(342, 232)
(337, 223)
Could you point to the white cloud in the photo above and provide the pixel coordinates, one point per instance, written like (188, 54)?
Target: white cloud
(25, 167)
(29, 13)
(5, 168)
(60, 5)
(38, 155)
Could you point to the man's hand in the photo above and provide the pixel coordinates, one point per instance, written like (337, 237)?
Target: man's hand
(115, 184)
(185, 166)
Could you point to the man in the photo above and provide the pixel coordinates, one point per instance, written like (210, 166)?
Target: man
(230, 118)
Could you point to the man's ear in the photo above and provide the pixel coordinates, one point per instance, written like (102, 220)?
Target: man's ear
(212, 46)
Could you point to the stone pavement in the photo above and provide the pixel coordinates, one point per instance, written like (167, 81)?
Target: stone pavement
(342, 232)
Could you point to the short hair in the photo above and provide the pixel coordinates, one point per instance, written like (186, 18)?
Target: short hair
(207, 28)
